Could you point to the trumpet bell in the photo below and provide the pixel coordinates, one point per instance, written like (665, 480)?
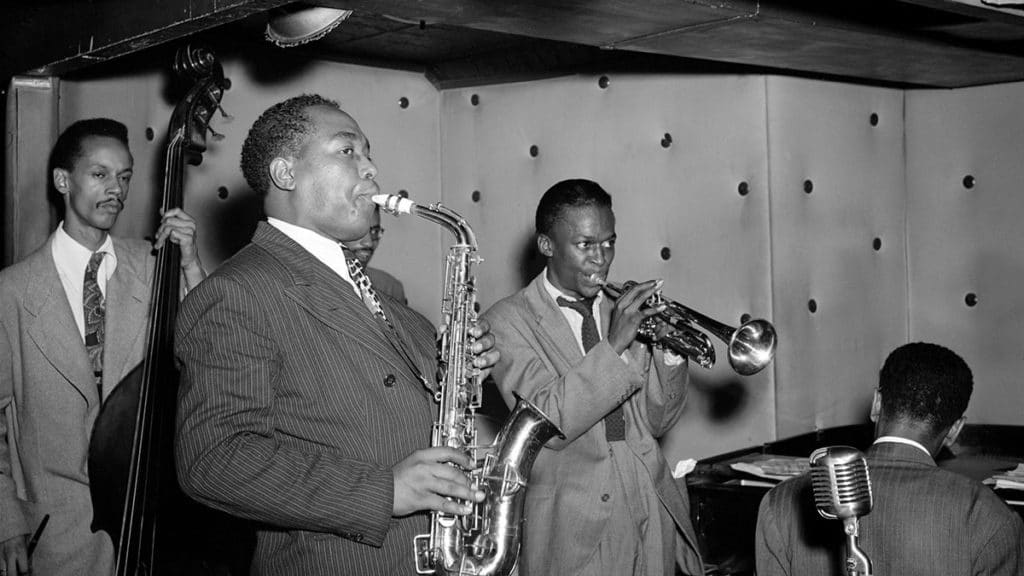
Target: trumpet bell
(752, 347)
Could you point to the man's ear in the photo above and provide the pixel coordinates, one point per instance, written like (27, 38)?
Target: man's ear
(62, 180)
(545, 245)
(281, 173)
(954, 431)
(876, 407)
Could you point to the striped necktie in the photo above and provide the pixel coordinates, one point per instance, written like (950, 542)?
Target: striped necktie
(615, 421)
(95, 315)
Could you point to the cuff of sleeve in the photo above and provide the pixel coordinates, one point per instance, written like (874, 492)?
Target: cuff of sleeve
(379, 504)
(673, 359)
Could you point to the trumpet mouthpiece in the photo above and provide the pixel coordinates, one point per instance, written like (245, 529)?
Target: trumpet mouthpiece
(598, 279)
(393, 203)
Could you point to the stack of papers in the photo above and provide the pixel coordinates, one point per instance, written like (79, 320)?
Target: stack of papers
(775, 468)
(1010, 480)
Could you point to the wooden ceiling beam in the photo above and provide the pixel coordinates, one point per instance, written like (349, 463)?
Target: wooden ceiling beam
(42, 37)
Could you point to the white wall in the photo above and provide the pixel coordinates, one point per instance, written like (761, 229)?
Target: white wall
(766, 253)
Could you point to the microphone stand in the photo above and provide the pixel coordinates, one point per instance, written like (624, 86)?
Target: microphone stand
(857, 563)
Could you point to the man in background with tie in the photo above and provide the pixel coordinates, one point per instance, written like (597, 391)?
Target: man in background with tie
(925, 520)
(73, 323)
(363, 249)
(601, 501)
(306, 400)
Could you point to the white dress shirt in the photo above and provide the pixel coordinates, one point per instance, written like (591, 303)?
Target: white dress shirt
(72, 259)
(324, 249)
(901, 440)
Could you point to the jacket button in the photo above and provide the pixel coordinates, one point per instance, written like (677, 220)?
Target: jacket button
(389, 381)
(358, 537)
(605, 497)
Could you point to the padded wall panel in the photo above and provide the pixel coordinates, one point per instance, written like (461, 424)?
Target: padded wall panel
(679, 192)
(403, 139)
(967, 240)
(822, 246)
(138, 101)
(31, 127)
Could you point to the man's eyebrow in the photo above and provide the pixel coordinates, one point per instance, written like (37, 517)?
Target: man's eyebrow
(350, 136)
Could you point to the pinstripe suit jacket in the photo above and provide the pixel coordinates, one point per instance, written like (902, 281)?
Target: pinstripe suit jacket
(925, 521)
(49, 402)
(293, 407)
(542, 361)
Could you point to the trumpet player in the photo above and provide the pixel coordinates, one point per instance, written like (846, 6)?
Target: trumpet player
(601, 501)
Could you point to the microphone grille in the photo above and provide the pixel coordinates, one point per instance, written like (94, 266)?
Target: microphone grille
(840, 481)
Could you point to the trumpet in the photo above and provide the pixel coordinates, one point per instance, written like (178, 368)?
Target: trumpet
(751, 346)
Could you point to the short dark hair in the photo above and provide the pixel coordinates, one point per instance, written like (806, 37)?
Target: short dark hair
(279, 132)
(568, 194)
(926, 383)
(69, 144)
(68, 149)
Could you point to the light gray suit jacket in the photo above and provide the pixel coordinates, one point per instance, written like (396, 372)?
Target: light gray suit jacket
(49, 402)
(542, 361)
(294, 405)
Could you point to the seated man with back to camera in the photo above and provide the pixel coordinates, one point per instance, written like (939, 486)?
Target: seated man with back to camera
(924, 520)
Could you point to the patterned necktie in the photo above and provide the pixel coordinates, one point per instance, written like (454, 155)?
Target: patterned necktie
(95, 314)
(614, 422)
(362, 281)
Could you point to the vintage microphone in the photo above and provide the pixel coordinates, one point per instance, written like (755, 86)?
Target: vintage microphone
(842, 489)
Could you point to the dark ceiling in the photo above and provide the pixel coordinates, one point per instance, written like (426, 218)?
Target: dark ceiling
(908, 43)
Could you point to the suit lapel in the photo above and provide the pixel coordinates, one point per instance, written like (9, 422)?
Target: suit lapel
(325, 296)
(550, 324)
(53, 327)
(128, 293)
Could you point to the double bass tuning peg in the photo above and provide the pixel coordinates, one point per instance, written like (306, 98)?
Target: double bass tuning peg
(216, 136)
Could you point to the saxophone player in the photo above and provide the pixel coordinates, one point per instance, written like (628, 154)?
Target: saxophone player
(304, 401)
(601, 500)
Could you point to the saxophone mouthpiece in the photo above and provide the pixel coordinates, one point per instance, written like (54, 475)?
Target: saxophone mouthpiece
(393, 203)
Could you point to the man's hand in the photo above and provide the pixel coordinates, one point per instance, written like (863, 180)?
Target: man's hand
(486, 354)
(14, 557)
(177, 225)
(425, 481)
(627, 314)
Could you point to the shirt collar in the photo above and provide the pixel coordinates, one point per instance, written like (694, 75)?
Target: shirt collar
(901, 440)
(324, 249)
(555, 293)
(73, 256)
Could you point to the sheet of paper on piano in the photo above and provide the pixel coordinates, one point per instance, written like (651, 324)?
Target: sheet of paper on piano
(776, 468)
(1009, 480)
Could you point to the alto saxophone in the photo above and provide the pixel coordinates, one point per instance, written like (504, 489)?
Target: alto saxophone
(486, 541)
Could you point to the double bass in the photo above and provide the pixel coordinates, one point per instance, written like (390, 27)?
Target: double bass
(132, 482)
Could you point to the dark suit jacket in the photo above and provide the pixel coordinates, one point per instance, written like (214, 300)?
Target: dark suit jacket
(542, 361)
(385, 283)
(49, 402)
(925, 521)
(294, 405)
